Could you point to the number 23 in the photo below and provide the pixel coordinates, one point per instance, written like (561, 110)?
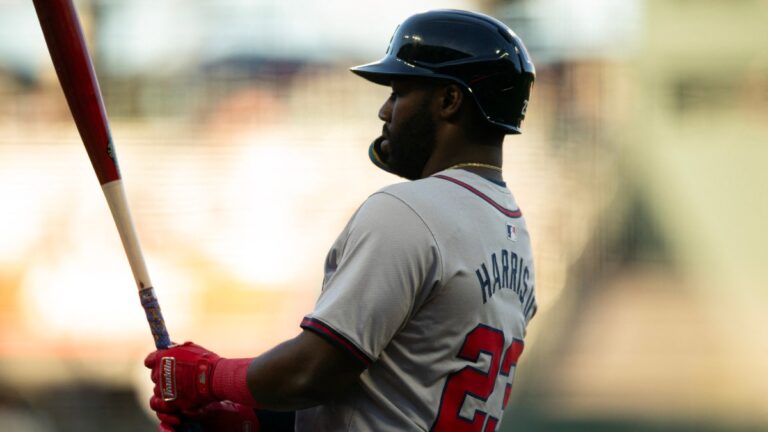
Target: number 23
(470, 381)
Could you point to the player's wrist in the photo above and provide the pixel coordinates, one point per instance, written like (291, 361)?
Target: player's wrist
(229, 381)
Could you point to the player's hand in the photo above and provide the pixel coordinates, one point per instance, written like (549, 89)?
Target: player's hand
(169, 423)
(224, 416)
(170, 418)
(182, 375)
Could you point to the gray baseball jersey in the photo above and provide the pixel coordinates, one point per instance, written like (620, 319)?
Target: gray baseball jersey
(431, 287)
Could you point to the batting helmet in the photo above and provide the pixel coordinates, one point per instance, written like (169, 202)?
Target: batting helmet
(474, 50)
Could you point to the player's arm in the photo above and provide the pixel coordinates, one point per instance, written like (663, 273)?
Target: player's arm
(302, 372)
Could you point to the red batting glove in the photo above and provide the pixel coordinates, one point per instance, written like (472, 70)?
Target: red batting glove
(188, 377)
(224, 416)
(168, 423)
(182, 375)
(170, 419)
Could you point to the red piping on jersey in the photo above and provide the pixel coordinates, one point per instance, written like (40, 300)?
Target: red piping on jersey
(510, 213)
(333, 336)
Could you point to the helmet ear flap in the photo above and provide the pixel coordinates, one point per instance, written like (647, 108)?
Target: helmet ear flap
(504, 100)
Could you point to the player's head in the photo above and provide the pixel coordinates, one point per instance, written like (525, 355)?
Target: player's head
(468, 51)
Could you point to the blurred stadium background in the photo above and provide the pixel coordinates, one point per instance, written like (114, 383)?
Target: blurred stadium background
(242, 138)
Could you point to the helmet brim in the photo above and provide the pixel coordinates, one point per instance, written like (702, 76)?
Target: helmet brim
(382, 71)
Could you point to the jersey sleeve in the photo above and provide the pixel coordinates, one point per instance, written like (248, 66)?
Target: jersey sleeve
(381, 269)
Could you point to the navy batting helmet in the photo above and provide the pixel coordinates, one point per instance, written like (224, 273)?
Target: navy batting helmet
(474, 50)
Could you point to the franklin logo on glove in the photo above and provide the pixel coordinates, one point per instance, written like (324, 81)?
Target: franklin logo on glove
(168, 379)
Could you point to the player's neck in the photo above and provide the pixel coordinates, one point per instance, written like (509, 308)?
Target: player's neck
(485, 161)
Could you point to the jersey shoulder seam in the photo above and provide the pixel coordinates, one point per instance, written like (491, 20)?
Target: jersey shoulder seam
(434, 239)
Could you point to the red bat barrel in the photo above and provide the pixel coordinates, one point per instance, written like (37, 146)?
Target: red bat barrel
(64, 37)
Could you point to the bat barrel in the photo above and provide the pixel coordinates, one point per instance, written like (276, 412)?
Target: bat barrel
(64, 37)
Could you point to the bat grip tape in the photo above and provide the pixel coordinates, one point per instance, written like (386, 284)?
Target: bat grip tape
(154, 318)
(162, 340)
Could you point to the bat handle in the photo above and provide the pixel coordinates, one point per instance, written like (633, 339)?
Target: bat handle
(154, 317)
(162, 340)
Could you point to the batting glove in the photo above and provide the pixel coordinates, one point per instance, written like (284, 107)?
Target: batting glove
(182, 375)
(188, 377)
(224, 416)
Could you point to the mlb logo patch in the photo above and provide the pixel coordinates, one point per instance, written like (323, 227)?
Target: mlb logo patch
(511, 232)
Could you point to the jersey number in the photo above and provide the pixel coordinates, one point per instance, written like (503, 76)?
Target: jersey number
(471, 381)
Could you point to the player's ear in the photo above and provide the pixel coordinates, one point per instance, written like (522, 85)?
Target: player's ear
(450, 99)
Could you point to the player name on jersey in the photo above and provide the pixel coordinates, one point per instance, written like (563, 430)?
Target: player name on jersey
(508, 271)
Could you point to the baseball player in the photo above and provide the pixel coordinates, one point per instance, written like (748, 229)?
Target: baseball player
(429, 288)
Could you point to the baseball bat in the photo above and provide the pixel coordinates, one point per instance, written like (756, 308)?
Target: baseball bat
(64, 37)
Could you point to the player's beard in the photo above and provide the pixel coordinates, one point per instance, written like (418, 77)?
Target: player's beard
(411, 146)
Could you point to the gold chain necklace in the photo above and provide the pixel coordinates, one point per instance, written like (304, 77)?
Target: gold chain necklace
(475, 165)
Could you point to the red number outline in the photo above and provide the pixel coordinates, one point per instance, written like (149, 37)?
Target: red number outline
(471, 381)
(510, 359)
